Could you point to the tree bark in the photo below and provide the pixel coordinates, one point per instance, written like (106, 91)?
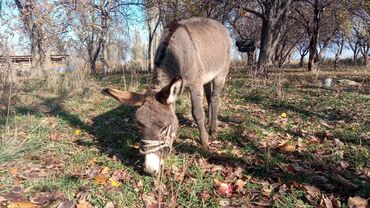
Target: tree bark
(339, 52)
(312, 59)
(152, 32)
(301, 62)
(266, 39)
(251, 57)
(35, 35)
(365, 52)
(274, 16)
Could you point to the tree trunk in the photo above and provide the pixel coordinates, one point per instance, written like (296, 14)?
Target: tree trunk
(104, 59)
(35, 34)
(365, 57)
(301, 62)
(339, 52)
(149, 52)
(312, 53)
(37, 51)
(266, 51)
(251, 57)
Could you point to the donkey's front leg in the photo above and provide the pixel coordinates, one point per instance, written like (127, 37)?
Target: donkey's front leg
(218, 84)
(198, 113)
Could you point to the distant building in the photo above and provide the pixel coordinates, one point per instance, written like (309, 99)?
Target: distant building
(26, 59)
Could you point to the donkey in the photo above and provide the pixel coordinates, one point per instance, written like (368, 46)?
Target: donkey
(193, 54)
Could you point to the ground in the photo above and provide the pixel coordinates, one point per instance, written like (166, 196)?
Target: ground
(285, 141)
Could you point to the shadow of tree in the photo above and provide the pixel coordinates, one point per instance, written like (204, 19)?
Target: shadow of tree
(313, 168)
(112, 131)
(114, 134)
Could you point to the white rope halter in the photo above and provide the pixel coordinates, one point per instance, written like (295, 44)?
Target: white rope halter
(152, 146)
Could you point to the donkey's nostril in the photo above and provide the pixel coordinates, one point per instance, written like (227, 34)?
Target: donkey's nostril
(152, 164)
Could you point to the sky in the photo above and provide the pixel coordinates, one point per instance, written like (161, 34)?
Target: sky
(8, 23)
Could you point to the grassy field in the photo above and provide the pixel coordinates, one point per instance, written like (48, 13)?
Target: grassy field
(283, 142)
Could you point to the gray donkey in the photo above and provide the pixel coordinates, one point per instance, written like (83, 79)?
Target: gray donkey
(193, 54)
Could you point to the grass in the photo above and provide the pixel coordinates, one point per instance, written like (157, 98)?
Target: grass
(328, 129)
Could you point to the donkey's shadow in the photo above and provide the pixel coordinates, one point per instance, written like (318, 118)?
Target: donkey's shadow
(116, 135)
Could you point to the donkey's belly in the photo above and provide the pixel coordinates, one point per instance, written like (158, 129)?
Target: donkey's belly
(209, 76)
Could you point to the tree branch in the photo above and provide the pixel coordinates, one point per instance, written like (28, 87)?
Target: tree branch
(258, 14)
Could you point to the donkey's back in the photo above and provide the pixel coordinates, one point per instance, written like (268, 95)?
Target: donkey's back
(198, 50)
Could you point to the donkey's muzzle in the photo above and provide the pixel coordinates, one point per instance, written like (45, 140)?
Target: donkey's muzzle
(152, 164)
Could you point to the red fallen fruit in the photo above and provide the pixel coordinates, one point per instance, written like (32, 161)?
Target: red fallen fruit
(223, 188)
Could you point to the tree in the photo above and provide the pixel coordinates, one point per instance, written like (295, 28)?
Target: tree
(246, 26)
(312, 20)
(360, 33)
(303, 49)
(95, 20)
(153, 20)
(31, 16)
(290, 38)
(138, 54)
(274, 15)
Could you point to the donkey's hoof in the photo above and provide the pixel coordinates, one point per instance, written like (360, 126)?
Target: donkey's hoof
(213, 135)
(205, 145)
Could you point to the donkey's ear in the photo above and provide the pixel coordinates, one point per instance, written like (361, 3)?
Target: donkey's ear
(128, 98)
(169, 93)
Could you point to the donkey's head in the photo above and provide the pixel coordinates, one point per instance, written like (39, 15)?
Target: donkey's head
(155, 119)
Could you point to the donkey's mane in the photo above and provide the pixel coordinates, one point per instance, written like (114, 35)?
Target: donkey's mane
(172, 27)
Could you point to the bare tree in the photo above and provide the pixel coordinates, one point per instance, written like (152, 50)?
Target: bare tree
(32, 20)
(95, 20)
(153, 20)
(303, 50)
(246, 26)
(274, 15)
(290, 38)
(311, 19)
(359, 39)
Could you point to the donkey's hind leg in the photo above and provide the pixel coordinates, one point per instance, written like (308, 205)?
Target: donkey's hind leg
(218, 84)
(208, 91)
(196, 92)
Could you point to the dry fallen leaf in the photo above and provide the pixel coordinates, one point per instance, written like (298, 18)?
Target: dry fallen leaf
(345, 181)
(54, 137)
(204, 195)
(13, 171)
(140, 184)
(150, 200)
(109, 205)
(22, 205)
(239, 186)
(77, 131)
(357, 202)
(326, 202)
(283, 115)
(224, 203)
(295, 168)
(67, 204)
(83, 204)
(104, 171)
(136, 146)
(287, 147)
(114, 183)
(100, 180)
(312, 193)
(236, 152)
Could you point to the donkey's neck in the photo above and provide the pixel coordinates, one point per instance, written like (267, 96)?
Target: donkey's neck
(160, 79)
